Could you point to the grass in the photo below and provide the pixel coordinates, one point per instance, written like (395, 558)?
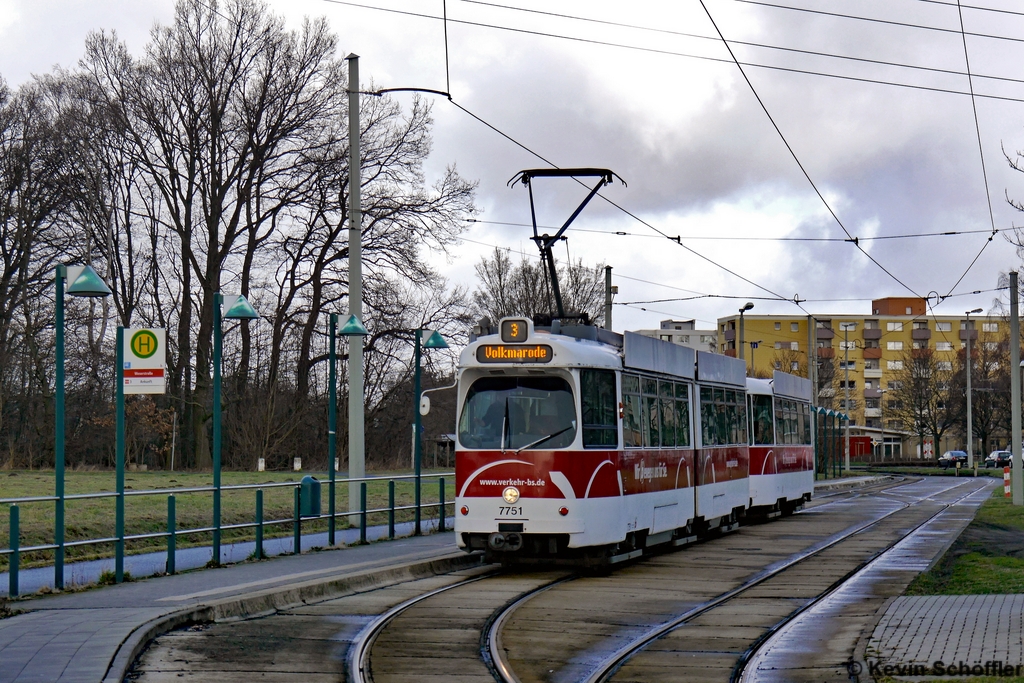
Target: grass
(987, 558)
(94, 518)
(937, 471)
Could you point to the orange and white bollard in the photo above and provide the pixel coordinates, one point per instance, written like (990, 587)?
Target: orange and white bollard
(1006, 482)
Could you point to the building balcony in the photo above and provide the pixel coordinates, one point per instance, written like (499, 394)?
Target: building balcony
(729, 335)
(731, 353)
(872, 393)
(827, 392)
(827, 353)
(872, 333)
(825, 333)
(919, 335)
(872, 373)
(963, 335)
(872, 412)
(870, 354)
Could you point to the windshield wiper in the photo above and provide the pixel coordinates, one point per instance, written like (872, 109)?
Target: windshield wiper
(504, 421)
(545, 438)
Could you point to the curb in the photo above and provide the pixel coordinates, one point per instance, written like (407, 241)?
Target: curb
(839, 485)
(271, 600)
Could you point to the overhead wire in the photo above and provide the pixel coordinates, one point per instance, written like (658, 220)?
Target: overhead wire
(792, 153)
(673, 53)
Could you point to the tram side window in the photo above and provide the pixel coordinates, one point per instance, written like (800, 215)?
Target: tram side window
(652, 412)
(631, 422)
(723, 416)
(807, 422)
(682, 415)
(668, 413)
(597, 393)
(792, 422)
(761, 414)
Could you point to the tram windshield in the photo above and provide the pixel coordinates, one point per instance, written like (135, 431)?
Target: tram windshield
(518, 412)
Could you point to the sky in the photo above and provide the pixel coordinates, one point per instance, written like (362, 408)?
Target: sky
(649, 90)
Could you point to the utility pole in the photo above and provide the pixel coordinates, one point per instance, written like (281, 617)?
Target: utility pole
(1016, 471)
(607, 297)
(356, 416)
(812, 361)
(970, 425)
(746, 307)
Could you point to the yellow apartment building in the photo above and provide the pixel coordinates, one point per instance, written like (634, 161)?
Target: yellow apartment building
(870, 348)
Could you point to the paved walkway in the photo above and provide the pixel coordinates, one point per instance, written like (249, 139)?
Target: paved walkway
(79, 637)
(968, 630)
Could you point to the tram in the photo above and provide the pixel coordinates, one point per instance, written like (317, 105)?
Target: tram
(577, 443)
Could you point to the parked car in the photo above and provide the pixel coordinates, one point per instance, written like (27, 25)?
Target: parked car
(951, 458)
(998, 459)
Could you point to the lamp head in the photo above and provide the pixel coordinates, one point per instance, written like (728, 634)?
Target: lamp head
(976, 310)
(435, 341)
(747, 306)
(85, 282)
(353, 328)
(238, 308)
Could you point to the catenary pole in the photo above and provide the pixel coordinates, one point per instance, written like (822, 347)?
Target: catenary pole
(1017, 467)
(607, 297)
(356, 440)
(846, 383)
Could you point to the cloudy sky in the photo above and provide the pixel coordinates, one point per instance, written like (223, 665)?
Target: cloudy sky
(646, 89)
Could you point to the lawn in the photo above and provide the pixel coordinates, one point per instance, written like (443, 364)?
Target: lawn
(987, 558)
(94, 518)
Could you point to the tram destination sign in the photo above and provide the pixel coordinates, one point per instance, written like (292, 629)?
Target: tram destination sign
(519, 353)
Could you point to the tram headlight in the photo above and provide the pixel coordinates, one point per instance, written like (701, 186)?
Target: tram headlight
(510, 494)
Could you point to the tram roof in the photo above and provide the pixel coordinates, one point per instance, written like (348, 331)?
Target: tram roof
(566, 352)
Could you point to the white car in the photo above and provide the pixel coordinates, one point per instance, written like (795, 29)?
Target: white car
(998, 459)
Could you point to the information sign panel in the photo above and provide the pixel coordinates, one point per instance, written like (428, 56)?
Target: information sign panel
(145, 361)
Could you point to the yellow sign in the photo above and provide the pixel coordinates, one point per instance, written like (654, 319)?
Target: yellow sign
(144, 343)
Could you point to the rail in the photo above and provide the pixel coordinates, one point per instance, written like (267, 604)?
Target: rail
(259, 524)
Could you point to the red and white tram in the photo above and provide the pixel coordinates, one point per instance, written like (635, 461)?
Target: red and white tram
(576, 442)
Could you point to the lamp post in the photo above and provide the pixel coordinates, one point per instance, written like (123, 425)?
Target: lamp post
(970, 426)
(235, 308)
(434, 341)
(84, 283)
(746, 307)
(846, 327)
(354, 330)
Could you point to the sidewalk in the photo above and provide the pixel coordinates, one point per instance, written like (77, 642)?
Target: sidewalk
(95, 635)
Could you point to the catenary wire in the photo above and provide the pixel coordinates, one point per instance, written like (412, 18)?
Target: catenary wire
(766, 46)
(720, 60)
(792, 153)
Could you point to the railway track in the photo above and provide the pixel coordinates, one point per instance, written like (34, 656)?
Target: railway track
(649, 621)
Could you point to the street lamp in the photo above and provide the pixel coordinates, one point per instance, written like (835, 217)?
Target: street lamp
(354, 330)
(351, 328)
(970, 430)
(434, 341)
(84, 283)
(846, 327)
(881, 416)
(235, 308)
(746, 307)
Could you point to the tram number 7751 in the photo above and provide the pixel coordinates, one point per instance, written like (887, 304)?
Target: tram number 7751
(510, 511)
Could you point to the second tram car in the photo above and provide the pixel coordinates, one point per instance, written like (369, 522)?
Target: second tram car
(578, 443)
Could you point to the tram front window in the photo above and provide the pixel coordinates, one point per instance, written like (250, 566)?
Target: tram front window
(518, 412)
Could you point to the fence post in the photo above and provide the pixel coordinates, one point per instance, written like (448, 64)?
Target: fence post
(297, 532)
(391, 510)
(362, 512)
(15, 552)
(259, 524)
(440, 507)
(172, 524)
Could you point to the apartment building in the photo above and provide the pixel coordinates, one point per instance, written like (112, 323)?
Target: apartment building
(684, 333)
(867, 349)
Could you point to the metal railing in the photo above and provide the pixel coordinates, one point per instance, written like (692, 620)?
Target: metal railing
(15, 551)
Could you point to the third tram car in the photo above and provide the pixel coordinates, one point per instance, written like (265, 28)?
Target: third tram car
(578, 443)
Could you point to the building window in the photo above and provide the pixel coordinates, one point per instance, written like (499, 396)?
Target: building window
(894, 346)
(794, 346)
(990, 327)
(778, 345)
(943, 346)
(871, 403)
(665, 337)
(894, 364)
(778, 326)
(777, 365)
(707, 339)
(944, 327)
(794, 327)
(893, 386)
(851, 406)
(991, 346)
(871, 364)
(894, 327)
(871, 325)
(852, 385)
(920, 325)
(868, 384)
(944, 365)
(847, 345)
(920, 345)
(843, 365)
(794, 366)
